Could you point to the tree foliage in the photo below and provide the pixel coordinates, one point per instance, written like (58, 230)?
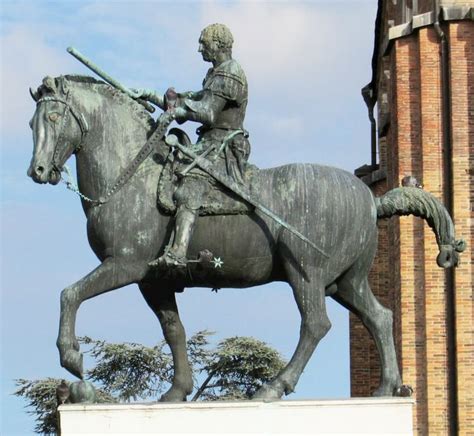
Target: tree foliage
(125, 372)
(41, 398)
(130, 371)
(238, 368)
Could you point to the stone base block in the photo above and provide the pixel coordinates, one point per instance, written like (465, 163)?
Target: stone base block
(361, 416)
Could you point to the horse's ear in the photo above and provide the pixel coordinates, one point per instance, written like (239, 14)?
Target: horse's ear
(49, 84)
(64, 84)
(34, 94)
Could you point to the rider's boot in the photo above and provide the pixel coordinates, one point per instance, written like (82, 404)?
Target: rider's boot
(184, 226)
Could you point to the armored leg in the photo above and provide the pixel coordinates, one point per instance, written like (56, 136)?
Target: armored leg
(189, 198)
(184, 226)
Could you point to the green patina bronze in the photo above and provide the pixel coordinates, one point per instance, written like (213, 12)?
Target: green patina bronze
(167, 214)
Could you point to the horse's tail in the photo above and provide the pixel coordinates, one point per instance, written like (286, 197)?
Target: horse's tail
(415, 201)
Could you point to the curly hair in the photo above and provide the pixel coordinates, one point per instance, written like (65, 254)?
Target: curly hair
(220, 34)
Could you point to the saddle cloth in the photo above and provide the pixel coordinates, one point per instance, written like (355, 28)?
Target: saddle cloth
(219, 201)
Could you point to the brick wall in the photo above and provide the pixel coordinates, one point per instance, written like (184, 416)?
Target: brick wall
(461, 36)
(405, 276)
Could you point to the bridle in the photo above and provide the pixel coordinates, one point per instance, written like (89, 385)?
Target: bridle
(81, 121)
(150, 145)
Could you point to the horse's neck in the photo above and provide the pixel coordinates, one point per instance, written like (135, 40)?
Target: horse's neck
(114, 138)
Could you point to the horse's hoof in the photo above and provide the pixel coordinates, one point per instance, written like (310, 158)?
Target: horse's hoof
(173, 395)
(383, 391)
(73, 362)
(403, 391)
(267, 393)
(386, 390)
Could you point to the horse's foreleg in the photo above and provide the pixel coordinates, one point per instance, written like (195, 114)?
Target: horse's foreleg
(310, 298)
(163, 304)
(111, 274)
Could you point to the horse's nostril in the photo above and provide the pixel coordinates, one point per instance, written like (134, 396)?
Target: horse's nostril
(39, 170)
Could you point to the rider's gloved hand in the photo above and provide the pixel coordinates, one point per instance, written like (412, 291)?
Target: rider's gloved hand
(148, 95)
(139, 93)
(180, 114)
(142, 93)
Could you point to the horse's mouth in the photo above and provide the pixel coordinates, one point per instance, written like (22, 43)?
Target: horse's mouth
(41, 175)
(54, 177)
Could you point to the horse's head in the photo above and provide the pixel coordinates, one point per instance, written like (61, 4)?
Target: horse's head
(58, 130)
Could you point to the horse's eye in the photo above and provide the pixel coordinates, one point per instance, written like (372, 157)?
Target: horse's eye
(53, 116)
(31, 123)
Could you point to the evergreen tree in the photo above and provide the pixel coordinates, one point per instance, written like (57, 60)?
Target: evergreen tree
(126, 372)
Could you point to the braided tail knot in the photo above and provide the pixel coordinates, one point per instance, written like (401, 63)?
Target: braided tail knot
(449, 254)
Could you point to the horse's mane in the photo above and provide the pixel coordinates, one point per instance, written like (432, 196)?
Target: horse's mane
(109, 91)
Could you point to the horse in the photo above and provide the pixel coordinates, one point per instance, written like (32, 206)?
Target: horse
(105, 128)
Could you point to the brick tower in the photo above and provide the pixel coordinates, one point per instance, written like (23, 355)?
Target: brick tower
(423, 88)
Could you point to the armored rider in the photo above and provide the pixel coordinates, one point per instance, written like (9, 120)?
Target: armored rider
(220, 107)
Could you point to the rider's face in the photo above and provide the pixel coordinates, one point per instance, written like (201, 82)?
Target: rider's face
(208, 48)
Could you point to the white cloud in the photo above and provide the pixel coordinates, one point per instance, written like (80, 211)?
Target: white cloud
(271, 39)
(26, 59)
(291, 126)
(292, 40)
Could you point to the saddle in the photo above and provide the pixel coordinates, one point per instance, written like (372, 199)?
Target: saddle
(219, 201)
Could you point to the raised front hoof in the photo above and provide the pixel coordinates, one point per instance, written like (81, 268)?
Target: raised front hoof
(72, 360)
(173, 395)
(267, 393)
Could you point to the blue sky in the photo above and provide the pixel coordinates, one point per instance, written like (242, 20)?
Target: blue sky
(305, 63)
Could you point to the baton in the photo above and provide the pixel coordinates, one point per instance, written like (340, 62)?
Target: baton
(110, 80)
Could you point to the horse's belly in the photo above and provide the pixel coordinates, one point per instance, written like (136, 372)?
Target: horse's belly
(232, 272)
(242, 248)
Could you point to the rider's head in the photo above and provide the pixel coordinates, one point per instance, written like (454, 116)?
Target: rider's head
(215, 39)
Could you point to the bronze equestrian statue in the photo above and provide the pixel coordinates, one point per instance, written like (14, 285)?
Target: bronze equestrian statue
(123, 155)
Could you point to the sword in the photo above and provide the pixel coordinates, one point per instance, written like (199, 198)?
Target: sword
(207, 166)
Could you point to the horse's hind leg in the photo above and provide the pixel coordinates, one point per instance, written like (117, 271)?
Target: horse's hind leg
(111, 274)
(310, 298)
(163, 304)
(355, 294)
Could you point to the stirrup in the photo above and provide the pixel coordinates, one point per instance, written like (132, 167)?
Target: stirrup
(169, 259)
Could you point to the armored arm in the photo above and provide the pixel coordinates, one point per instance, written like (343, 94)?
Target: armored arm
(160, 100)
(157, 99)
(222, 100)
(203, 107)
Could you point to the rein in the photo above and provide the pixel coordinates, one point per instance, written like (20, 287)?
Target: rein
(165, 119)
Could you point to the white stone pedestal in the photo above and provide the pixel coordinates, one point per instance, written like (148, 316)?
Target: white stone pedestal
(361, 416)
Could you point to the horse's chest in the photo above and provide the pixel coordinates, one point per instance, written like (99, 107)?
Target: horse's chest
(115, 231)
